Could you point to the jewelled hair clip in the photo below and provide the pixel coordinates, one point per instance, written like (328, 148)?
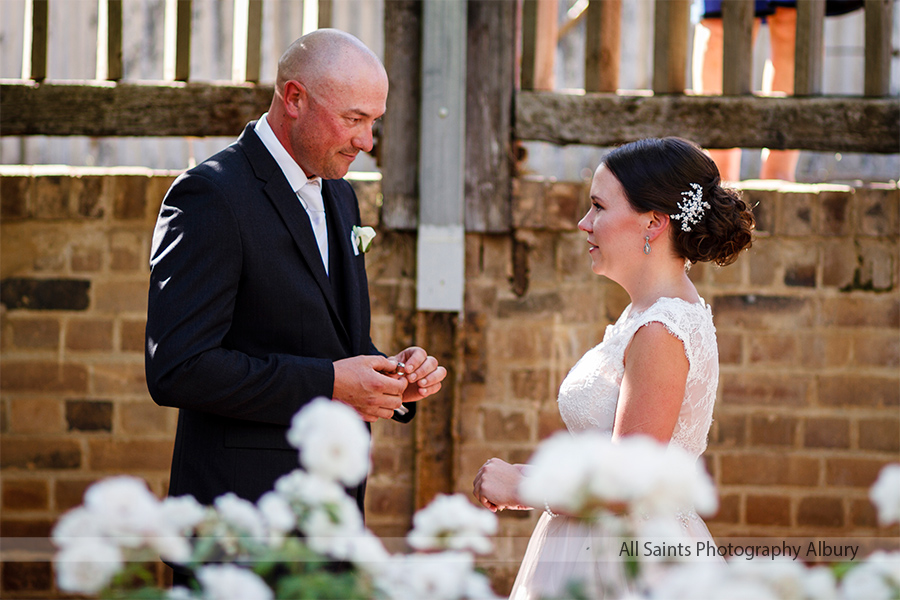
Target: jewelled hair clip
(691, 207)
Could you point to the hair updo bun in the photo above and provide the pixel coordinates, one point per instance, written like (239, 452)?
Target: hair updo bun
(655, 172)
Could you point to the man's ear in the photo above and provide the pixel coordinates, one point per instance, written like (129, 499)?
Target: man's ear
(658, 224)
(293, 98)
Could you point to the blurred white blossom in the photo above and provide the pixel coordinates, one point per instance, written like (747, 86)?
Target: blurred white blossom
(333, 441)
(241, 515)
(87, 566)
(229, 582)
(440, 576)
(453, 523)
(885, 494)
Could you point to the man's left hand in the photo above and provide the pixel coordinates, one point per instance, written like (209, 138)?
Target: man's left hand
(421, 370)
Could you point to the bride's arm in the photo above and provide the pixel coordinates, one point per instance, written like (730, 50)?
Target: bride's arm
(653, 385)
(496, 485)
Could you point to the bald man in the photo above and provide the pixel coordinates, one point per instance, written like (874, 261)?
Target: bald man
(258, 294)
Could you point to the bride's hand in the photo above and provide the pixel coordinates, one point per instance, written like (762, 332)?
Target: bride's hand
(496, 485)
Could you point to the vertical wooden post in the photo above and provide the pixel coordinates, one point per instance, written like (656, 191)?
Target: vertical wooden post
(247, 36)
(441, 234)
(398, 146)
(670, 41)
(326, 12)
(809, 53)
(177, 44)
(109, 40)
(34, 51)
(879, 21)
(540, 27)
(737, 54)
(489, 101)
(603, 46)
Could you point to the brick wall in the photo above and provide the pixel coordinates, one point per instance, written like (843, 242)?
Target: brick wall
(808, 324)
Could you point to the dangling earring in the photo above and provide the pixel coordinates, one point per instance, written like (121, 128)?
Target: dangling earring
(646, 244)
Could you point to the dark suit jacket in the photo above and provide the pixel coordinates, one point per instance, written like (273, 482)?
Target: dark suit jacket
(243, 323)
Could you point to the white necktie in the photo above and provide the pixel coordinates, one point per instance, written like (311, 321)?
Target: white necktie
(310, 195)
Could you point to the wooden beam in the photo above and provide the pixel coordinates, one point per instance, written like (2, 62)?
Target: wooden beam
(247, 34)
(540, 27)
(109, 40)
(828, 124)
(398, 145)
(130, 109)
(879, 20)
(440, 278)
(809, 53)
(489, 98)
(603, 46)
(671, 25)
(177, 40)
(34, 51)
(737, 53)
(326, 13)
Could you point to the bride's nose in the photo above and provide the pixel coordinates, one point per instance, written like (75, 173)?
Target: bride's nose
(585, 224)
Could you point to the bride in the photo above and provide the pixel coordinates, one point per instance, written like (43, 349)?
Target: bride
(657, 206)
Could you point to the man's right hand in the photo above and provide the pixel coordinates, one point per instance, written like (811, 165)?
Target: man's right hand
(361, 383)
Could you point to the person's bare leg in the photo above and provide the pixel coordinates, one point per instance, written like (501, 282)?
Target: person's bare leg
(782, 164)
(708, 80)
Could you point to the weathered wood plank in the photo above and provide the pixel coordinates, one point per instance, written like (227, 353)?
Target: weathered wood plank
(398, 148)
(835, 124)
(671, 24)
(128, 109)
(177, 40)
(34, 54)
(603, 46)
(809, 53)
(246, 51)
(111, 45)
(540, 29)
(489, 92)
(879, 20)
(737, 54)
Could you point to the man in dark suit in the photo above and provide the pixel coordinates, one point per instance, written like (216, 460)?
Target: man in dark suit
(258, 294)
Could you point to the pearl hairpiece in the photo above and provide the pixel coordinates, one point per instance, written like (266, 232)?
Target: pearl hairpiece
(691, 207)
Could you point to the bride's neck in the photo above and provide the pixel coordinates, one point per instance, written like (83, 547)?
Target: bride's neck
(660, 281)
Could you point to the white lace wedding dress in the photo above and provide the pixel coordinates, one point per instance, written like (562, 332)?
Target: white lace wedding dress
(562, 549)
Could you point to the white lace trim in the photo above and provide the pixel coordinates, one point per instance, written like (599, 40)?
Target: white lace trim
(589, 393)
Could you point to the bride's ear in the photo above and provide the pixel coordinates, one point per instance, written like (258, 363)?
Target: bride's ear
(657, 224)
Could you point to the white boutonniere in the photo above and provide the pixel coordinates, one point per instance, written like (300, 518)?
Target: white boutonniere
(361, 239)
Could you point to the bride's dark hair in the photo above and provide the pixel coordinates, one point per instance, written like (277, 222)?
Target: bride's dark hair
(655, 171)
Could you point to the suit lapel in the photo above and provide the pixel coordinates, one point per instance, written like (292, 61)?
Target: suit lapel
(343, 266)
(285, 201)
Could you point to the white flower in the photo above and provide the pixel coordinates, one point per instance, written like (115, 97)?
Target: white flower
(885, 494)
(87, 567)
(129, 511)
(241, 515)
(332, 528)
(866, 582)
(182, 513)
(452, 523)
(277, 513)
(308, 489)
(819, 584)
(333, 441)
(76, 524)
(180, 593)
(228, 582)
(362, 238)
(442, 576)
(368, 552)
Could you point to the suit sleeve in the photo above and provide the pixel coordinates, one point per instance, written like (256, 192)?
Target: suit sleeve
(196, 262)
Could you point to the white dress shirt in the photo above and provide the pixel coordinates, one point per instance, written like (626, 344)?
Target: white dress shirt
(309, 191)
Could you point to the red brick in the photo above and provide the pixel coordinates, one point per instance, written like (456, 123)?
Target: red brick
(132, 336)
(778, 349)
(89, 334)
(768, 510)
(507, 426)
(863, 514)
(89, 415)
(762, 312)
(87, 194)
(765, 261)
(878, 208)
(36, 415)
(858, 391)
(25, 494)
(37, 334)
(531, 384)
(51, 198)
(729, 510)
(394, 500)
(797, 213)
(852, 472)
(877, 351)
(772, 430)
(69, 493)
(817, 511)
(839, 263)
(46, 453)
(730, 352)
(835, 211)
(881, 435)
(769, 469)
(121, 296)
(827, 433)
(14, 197)
(549, 422)
(728, 430)
(877, 311)
(141, 455)
(130, 197)
(120, 378)
(824, 349)
(27, 577)
(86, 259)
(142, 418)
(33, 528)
(27, 376)
(759, 389)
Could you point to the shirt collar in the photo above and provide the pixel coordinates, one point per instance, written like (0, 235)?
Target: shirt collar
(292, 171)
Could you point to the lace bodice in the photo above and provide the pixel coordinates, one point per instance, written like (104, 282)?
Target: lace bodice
(590, 392)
